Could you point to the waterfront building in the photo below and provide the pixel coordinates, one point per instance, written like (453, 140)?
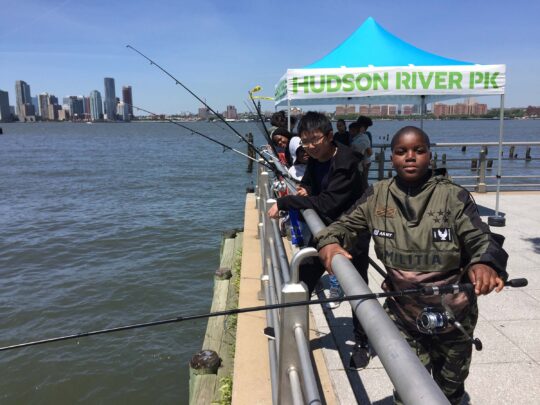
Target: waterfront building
(127, 97)
(43, 106)
(122, 111)
(364, 110)
(231, 113)
(467, 108)
(74, 104)
(5, 113)
(406, 109)
(63, 114)
(203, 113)
(375, 110)
(22, 97)
(96, 110)
(53, 112)
(86, 107)
(109, 103)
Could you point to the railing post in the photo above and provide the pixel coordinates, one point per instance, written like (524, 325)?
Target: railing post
(380, 164)
(290, 319)
(481, 186)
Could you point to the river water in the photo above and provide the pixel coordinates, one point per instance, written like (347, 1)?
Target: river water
(110, 224)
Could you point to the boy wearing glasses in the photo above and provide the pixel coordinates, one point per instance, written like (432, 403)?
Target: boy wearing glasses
(331, 185)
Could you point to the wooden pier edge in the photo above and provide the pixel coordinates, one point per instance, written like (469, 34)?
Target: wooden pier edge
(210, 381)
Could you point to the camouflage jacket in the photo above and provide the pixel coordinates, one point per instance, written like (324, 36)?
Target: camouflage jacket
(427, 235)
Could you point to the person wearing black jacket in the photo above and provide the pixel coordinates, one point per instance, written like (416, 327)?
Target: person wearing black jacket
(331, 185)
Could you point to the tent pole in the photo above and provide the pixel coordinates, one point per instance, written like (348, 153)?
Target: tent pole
(497, 219)
(289, 114)
(422, 106)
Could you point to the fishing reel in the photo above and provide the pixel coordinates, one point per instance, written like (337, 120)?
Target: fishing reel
(279, 186)
(431, 321)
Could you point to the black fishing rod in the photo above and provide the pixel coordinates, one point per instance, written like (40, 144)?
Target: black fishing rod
(270, 164)
(425, 291)
(227, 147)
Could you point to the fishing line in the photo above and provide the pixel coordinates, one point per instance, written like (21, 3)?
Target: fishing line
(206, 105)
(425, 291)
(227, 147)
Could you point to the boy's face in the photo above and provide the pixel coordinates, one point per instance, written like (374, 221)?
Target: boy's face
(341, 126)
(317, 145)
(411, 157)
(302, 156)
(281, 141)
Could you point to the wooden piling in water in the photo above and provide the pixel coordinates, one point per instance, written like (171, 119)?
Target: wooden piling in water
(250, 152)
(220, 333)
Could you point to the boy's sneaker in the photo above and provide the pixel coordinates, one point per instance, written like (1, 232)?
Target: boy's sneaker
(360, 357)
(335, 292)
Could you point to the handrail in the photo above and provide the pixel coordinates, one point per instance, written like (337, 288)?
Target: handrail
(411, 379)
(292, 375)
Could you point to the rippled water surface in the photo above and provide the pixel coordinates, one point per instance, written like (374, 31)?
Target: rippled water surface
(110, 224)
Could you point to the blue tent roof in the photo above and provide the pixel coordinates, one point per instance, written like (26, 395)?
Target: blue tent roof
(372, 45)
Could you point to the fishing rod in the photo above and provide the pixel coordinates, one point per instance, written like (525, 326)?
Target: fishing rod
(425, 291)
(227, 147)
(178, 82)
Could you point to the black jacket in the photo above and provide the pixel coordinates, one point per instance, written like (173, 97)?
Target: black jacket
(341, 190)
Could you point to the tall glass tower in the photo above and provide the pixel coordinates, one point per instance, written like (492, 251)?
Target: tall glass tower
(96, 112)
(22, 96)
(110, 99)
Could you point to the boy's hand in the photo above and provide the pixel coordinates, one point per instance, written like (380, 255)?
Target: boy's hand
(301, 191)
(485, 279)
(328, 252)
(273, 212)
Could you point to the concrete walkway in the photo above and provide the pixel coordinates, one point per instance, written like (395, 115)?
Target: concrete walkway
(507, 370)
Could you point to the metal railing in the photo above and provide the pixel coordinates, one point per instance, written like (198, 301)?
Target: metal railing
(292, 376)
(459, 161)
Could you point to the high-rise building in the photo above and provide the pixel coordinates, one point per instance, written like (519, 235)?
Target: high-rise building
(127, 97)
(74, 105)
(96, 110)
(109, 103)
(43, 106)
(53, 111)
(22, 96)
(5, 113)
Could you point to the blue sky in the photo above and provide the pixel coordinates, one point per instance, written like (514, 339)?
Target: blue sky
(221, 49)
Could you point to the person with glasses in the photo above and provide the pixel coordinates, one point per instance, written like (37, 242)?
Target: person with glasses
(331, 185)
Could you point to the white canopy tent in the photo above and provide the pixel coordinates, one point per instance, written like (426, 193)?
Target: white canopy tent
(374, 66)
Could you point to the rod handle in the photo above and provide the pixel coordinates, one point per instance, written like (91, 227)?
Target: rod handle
(517, 282)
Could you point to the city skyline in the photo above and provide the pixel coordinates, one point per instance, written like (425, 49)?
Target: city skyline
(221, 50)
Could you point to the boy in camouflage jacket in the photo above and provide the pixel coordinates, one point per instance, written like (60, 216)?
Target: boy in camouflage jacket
(426, 231)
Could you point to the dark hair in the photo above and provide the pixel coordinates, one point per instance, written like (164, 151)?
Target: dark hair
(364, 121)
(341, 120)
(279, 119)
(314, 121)
(355, 125)
(282, 132)
(408, 129)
